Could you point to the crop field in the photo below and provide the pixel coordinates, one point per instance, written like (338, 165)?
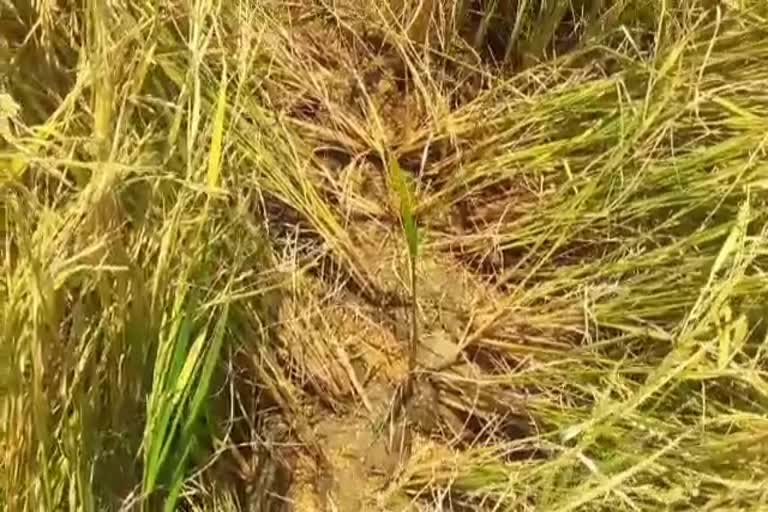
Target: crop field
(383, 255)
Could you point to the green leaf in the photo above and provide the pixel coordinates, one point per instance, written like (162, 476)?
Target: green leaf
(406, 200)
(217, 138)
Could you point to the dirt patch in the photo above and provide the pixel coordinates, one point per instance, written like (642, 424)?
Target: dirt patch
(364, 450)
